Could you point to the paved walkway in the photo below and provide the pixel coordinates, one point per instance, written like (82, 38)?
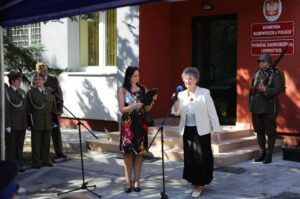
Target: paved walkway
(248, 180)
(70, 139)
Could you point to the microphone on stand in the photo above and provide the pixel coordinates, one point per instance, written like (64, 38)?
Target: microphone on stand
(178, 90)
(59, 98)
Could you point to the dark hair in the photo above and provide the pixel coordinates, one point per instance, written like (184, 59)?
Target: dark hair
(128, 74)
(13, 75)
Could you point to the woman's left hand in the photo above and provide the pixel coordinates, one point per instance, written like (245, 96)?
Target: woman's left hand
(154, 98)
(218, 137)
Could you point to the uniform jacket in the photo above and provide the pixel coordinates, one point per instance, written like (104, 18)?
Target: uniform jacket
(42, 115)
(53, 83)
(266, 102)
(15, 109)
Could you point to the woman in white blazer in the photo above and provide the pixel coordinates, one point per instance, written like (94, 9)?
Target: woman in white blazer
(198, 119)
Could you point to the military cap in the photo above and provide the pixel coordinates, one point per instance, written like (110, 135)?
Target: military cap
(265, 57)
(40, 66)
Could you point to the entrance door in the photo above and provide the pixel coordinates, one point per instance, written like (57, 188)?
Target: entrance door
(214, 54)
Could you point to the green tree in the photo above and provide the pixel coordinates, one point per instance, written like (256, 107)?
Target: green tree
(23, 59)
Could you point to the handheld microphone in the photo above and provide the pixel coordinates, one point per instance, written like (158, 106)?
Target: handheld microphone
(59, 98)
(178, 90)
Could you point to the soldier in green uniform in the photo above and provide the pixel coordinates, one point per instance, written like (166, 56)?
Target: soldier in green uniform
(264, 106)
(15, 119)
(54, 84)
(42, 106)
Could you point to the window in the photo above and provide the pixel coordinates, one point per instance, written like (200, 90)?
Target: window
(111, 38)
(98, 39)
(26, 35)
(89, 40)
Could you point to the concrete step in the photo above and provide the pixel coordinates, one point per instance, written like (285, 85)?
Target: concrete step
(69, 146)
(176, 142)
(70, 138)
(169, 142)
(228, 132)
(176, 154)
(232, 144)
(240, 155)
(169, 131)
(104, 146)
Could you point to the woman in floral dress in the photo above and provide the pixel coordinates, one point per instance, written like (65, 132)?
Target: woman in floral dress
(134, 130)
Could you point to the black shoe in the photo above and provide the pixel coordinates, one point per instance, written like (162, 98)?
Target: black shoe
(61, 156)
(21, 169)
(260, 158)
(48, 165)
(137, 189)
(127, 190)
(268, 159)
(35, 167)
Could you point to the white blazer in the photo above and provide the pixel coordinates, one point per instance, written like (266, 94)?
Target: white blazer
(204, 109)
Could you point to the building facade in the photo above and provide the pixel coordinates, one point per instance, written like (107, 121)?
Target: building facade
(223, 39)
(95, 48)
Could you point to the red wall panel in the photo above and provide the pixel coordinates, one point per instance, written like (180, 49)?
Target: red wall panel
(166, 49)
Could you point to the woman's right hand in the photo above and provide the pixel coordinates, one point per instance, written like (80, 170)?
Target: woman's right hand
(173, 95)
(138, 105)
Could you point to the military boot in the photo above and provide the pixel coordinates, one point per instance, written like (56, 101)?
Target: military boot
(261, 157)
(271, 143)
(261, 140)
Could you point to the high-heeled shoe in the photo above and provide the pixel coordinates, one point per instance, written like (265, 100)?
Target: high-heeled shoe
(137, 189)
(127, 190)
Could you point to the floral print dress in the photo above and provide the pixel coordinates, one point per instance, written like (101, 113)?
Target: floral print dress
(134, 130)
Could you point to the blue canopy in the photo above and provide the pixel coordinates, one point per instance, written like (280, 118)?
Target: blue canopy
(20, 12)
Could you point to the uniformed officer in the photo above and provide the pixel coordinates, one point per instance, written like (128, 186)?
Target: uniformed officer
(42, 106)
(54, 84)
(15, 119)
(264, 105)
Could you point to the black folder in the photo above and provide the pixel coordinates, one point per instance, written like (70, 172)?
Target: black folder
(149, 95)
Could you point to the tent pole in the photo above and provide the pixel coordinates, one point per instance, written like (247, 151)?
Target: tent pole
(2, 104)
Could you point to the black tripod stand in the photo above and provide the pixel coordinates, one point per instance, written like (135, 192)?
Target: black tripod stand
(84, 183)
(161, 129)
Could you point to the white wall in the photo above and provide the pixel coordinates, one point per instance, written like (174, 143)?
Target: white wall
(73, 45)
(91, 92)
(54, 37)
(127, 41)
(90, 96)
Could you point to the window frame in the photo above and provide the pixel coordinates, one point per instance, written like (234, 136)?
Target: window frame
(102, 44)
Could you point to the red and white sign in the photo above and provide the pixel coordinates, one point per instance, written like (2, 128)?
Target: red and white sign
(272, 9)
(275, 29)
(272, 47)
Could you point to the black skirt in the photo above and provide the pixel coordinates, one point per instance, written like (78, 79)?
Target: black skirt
(198, 157)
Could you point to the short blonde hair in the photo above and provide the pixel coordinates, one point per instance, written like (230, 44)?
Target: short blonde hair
(191, 71)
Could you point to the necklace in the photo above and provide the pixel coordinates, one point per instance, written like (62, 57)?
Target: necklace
(191, 97)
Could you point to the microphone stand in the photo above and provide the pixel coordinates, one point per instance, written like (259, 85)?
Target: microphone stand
(79, 124)
(161, 130)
